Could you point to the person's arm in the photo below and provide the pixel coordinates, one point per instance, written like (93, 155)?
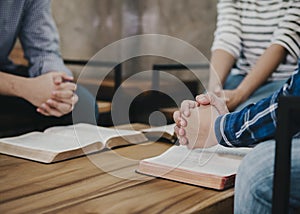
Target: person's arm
(284, 45)
(264, 67)
(40, 90)
(11, 85)
(256, 122)
(40, 40)
(221, 63)
(227, 43)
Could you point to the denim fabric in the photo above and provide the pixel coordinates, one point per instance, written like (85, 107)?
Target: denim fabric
(254, 181)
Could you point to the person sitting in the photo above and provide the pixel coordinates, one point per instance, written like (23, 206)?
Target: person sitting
(42, 94)
(254, 125)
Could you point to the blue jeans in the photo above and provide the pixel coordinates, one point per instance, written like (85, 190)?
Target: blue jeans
(254, 181)
(263, 91)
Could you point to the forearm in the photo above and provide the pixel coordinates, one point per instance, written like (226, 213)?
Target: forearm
(266, 64)
(256, 122)
(221, 64)
(12, 85)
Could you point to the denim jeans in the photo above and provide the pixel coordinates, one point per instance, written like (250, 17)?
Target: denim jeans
(254, 181)
(263, 91)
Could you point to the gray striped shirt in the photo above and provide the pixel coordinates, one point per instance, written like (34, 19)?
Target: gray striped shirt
(246, 28)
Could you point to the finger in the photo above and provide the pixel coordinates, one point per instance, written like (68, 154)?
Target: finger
(183, 122)
(59, 95)
(67, 77)
(57, 79)
(57, 108)
(183, 141)
(181, 132)
(218, 103)
(176, 130)
(186, 105)
(71, 101)
(50, 111)
(42, 111)
(203, 99)
(176, 117)
(66, 86)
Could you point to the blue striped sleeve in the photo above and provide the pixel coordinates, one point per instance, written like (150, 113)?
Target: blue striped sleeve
(255, 122)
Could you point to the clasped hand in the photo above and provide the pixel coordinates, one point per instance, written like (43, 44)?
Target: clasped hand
(195, 120)
(53, 94)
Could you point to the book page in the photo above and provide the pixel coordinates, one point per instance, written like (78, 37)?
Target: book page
(198, 160)
(90, 133)
(167, 129)
(44, 141)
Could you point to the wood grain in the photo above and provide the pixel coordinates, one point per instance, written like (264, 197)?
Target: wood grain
(81, 186)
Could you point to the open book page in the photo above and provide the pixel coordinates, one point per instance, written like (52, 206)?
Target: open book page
(91, 133)
(166, 129)
(236, 151)
(161, 132)
(64, 142)
(198, 160)
(42, 141)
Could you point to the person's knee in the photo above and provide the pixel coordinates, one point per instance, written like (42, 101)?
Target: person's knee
(86, 110)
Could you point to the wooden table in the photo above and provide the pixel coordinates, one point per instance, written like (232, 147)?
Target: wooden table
(79, 186)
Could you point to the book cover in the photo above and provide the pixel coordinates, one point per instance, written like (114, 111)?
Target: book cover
(213, 167)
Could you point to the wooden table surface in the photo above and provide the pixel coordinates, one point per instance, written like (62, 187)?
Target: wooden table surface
(80, 185)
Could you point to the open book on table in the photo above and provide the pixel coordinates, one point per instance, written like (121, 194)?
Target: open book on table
(213, 167)
(64, 142)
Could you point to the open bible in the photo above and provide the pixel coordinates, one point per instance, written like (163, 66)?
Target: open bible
(64, 142)
(213, 167)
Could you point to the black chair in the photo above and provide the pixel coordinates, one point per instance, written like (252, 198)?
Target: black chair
(288, 125)
(156, 68)
(165, 93)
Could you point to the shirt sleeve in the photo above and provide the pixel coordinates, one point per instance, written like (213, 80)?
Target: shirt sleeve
(40, 39)
(288, 32)
(256, 122)
(228, 32)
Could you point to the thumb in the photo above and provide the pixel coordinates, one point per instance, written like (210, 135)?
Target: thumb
(66, 77)
(218, 103)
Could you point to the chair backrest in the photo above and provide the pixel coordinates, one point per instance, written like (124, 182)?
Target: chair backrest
(287, 125)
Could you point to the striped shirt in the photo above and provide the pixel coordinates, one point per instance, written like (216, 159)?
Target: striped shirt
(246, 28)
(256, 122)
